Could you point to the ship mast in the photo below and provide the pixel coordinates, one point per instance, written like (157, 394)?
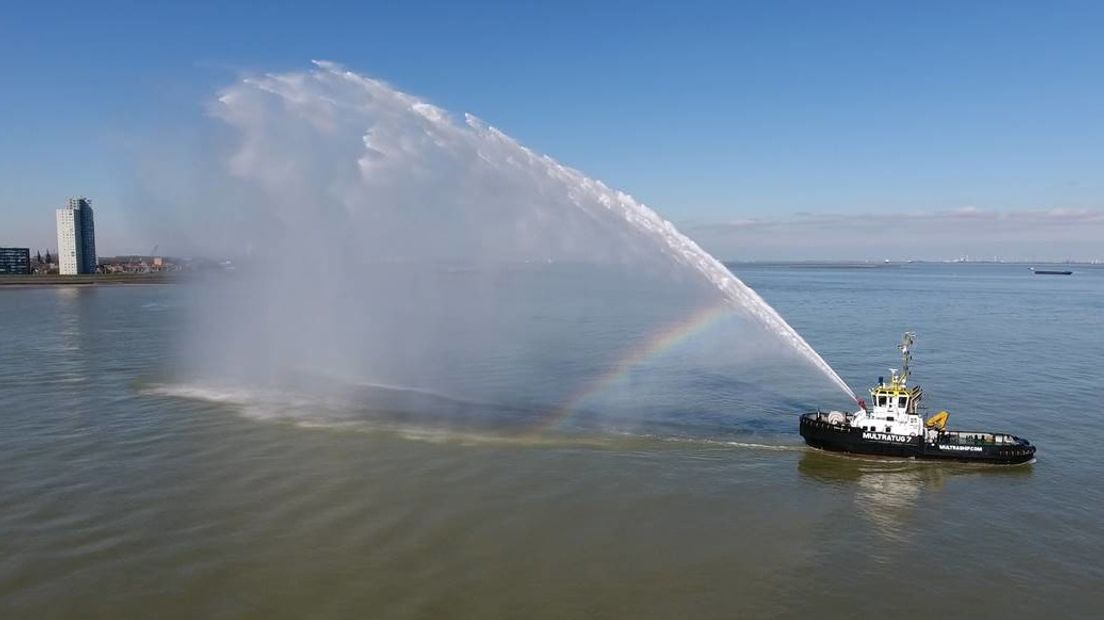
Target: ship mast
(906, 357)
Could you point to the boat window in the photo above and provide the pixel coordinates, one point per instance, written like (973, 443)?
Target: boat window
(881, 401)
(889, 418)
(902, 401)
(887, 429)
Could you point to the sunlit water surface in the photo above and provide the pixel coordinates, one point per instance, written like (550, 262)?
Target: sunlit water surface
(553, 470)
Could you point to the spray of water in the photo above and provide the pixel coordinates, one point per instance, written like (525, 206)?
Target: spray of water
(358, 173)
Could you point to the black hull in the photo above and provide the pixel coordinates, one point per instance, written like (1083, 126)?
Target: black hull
(818, 433)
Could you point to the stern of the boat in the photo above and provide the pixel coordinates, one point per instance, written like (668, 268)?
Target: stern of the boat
(818, 432)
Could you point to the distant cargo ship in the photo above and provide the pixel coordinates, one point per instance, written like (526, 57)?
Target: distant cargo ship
(893, 427)
(1051, 272)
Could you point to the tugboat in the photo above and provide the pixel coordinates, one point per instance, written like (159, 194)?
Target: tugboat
(894, 427)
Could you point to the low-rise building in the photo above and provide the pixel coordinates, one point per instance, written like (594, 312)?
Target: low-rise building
(15, 260)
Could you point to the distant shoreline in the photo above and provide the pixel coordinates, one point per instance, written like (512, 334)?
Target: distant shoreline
(105, 279)
(177, 277)
(845, 264)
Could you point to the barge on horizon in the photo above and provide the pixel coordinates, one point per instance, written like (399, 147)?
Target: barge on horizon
(893, 427)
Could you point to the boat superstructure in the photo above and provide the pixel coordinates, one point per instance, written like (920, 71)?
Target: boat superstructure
(892, 425)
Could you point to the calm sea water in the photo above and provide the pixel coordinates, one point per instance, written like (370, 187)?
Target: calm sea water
(580, 453)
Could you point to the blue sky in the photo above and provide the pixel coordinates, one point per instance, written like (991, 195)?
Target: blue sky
(732, 119)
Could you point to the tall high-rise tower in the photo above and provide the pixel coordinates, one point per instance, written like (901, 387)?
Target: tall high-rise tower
(76, 238)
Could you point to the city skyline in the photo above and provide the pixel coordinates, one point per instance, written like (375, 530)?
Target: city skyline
(740, 124)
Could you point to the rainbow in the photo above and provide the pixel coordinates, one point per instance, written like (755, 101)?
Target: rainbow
(651, 347)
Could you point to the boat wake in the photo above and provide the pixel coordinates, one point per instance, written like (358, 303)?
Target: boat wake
(427, 416)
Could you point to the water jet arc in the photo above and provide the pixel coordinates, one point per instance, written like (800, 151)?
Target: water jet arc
(387, 172)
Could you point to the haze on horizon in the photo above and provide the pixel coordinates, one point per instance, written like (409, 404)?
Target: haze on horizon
(856, 131)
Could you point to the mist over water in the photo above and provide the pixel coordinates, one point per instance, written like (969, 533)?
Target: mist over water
(380, 229)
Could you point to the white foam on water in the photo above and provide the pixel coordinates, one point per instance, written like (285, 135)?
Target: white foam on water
(261, 404)
(193, 391)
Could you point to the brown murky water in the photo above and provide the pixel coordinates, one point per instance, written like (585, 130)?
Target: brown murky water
(122, 499)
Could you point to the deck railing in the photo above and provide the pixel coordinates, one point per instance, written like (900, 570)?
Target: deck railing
(972, 438)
